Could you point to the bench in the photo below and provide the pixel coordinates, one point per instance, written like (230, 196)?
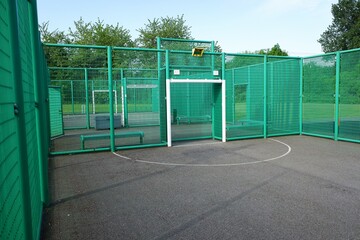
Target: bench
(189, 119)
(84, 138)
(243, 124)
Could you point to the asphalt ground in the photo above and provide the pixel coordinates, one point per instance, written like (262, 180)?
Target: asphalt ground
(293, 187)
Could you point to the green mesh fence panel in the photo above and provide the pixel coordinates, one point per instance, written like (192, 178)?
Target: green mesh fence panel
(11, 212)
(138, 83)
(230, 101)
(319, 95)
(141, 88)
(55, 108)
(20, 151)
(244, 96)
(283, 96)
(82, 75)
(349, 107)
(184, 44)
(191, 106)
(217, 117)
(30, 117)
(162, 105)
(183, 65)
(137, 101)
(142, 99)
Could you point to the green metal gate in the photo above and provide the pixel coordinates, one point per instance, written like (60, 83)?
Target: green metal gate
(55, 108)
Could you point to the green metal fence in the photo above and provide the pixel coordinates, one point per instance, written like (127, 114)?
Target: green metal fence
(283, 96)
(319, 95)
(331, 96)
(24, 118)
(265, 95)
(111, 100)
(245, 78)
(193, 105)
(349, 96)
(56, 113)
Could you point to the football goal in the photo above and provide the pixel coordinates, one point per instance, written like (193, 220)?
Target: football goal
(100, 101)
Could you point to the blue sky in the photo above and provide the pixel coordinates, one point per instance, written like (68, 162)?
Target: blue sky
(237, 25)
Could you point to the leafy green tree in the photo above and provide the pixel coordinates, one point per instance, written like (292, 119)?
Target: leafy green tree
(55, 36)
(250, 59)
(55, 56)
(168, 27)
(99, 33)
(344, 32)
(274, 51)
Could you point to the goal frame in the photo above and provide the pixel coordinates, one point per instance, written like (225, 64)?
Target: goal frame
(93, 99)
(180, 81)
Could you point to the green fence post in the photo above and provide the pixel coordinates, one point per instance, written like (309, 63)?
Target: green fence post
(232, 94)
(40, 110)
(111, 99)
(167, 64)
(301, 96)
(212, 56)
(72, 96)
(125, 102)
(248, 95)
(92, 90)
(123, 98)
(337, 96)
(265, 96)
(87, 99)
(19, 113)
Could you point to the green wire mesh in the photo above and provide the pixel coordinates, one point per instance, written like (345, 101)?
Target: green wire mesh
(137, 97)
(184, 44)
(283, 96)
(319, 95)
(261, 100)
(244, 96)
(55, 110)
(349, 88)
(23, 154)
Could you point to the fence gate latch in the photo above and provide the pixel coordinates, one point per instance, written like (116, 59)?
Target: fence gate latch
(16, 109)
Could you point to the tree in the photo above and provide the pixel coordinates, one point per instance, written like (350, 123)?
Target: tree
(274, 51)
(100, 34)
(344, 32)
(168, 27)
(85, 33)
(54, 56)
(251, 59)
(55, 36)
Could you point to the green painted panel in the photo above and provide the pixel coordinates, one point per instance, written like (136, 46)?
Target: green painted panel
(283, 98)
(11, 209)
(319, 95)
(28, 85)
(349, 107)
(55, 107)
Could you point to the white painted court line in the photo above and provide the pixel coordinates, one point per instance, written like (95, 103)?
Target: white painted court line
(127, 158)
(213, 165)
(197, 144)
